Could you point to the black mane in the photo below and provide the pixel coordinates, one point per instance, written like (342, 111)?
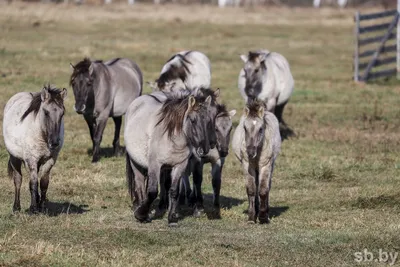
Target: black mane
(81, 67)
(37, 101)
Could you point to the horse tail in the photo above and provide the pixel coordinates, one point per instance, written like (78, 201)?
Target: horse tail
(130, 176)
(10, 169)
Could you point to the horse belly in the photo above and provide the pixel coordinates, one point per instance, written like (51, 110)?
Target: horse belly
(121, 103)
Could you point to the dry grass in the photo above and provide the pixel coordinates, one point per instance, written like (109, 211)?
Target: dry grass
(335, 187)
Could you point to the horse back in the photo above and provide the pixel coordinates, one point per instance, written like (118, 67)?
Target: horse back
(124, 79)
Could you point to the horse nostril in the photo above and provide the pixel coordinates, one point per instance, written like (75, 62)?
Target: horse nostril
(200, 151)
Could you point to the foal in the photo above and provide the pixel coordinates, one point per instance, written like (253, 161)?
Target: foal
(256, 143)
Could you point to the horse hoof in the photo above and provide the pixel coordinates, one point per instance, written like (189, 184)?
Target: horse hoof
(250, 222)
(16, 209)
(141, 218)
(263, 220)
(33, 211)
(173, 224)
(198, 213)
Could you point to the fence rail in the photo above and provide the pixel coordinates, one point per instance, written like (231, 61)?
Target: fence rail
(363, 70)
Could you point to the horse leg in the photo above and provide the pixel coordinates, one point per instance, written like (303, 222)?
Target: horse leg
(142, 212)
(265, 187)
(279, 113)
(14, 170)
(165, 185)
(116, 145)
(216, 170)
(139, 190)
(33, 185)
(176, 174)
(44, 183)
(90, 122)
(197, 181)
(184, 189)
(251, 189)
(97, 137)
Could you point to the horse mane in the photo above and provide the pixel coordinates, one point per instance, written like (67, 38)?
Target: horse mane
(112, 62)
(254, 105)
(173, 110)
(36, 102)
(253, 56)
(174, 71)
(81, 67)
(221, 111)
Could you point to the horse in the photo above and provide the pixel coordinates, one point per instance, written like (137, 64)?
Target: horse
(266, 76)
(256, 143)
(186, 69)
(33, 130)
(174, 126)
(105, 90)
(216, 156)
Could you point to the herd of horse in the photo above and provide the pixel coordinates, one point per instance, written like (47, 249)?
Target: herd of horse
(169, 134)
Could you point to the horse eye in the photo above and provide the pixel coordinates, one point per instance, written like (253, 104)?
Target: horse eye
(256, 70)
(46, 113)
(89, 83)
(260, 131)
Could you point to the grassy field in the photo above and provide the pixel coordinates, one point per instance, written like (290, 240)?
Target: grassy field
(336, 186)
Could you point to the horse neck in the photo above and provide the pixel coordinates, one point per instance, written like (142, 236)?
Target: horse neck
(102, 76)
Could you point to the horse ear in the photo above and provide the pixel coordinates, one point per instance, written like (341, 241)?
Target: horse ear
(63, 93)
(44, 95)
(232, 113)
(217, 92)
(72, 66)
(192, 102)
(244, 58)
(91, 69)
(153, 86)
(208, 100)
(246, 111)
(260, 112)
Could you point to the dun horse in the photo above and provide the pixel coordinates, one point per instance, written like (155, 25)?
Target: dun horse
(256, 143)
(266, 76)
(216, 156)
(173, 128)
(105, 90)
(186, 69)
(33, 130)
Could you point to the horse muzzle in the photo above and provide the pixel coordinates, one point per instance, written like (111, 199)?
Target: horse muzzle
(80, 110)
(54, 145)
(223, 153)
(200, 152)
(252, 152)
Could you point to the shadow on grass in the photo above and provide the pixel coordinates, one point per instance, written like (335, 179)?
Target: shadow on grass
(54, 209)
(209, 210)
(286, 132)
(107, 152)
(274, 211)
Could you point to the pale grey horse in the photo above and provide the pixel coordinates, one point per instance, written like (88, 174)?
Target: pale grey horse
(172, 127)
(33, 130)
(266, 76)
(256, 143)
(216, 156)
(104, 90)
(186, 69)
